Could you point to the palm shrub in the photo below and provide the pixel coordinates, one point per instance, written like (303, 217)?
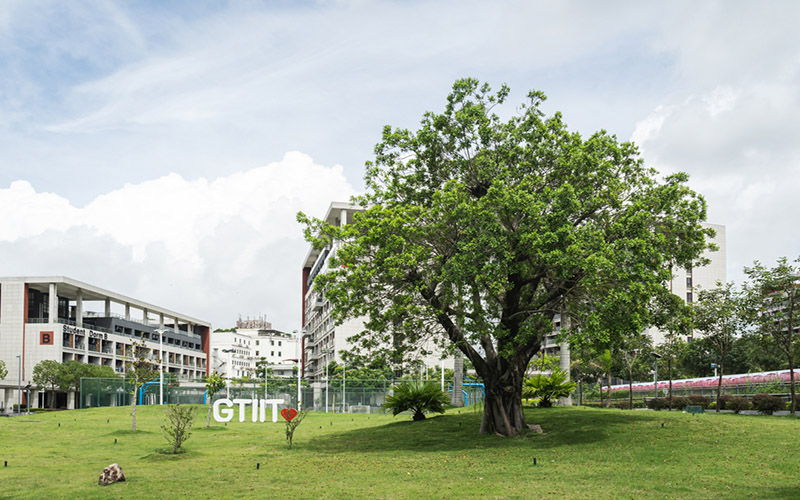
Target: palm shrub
(420, 397)
(547, 388)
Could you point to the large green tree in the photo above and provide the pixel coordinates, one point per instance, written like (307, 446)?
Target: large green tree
(775, 295)
(476, 231)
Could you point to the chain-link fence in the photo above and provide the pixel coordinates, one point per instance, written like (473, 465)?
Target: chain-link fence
(352, 396)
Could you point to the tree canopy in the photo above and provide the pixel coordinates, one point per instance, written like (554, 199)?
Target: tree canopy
(476, 231)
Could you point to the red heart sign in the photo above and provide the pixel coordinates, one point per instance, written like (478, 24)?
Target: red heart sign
(288, 414)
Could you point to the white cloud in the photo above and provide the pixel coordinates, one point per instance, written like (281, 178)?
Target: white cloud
(209, 249)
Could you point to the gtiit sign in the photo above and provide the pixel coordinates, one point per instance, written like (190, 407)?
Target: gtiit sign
(223, 409)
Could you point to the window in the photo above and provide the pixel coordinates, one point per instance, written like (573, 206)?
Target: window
(272, 353)
(279, 343)
(271, 342)
(688, 297)
(256, 342)
(279, 353)
(689, 282)
(256, 353)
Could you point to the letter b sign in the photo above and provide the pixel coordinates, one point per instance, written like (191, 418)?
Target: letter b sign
(45, 338)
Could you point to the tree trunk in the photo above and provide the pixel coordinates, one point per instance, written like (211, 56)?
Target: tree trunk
(669, 369)
(608, 390)
(208, 417)
(133, 422)
(719, 383)
(630, 389)
(502, 412)
(791, 384)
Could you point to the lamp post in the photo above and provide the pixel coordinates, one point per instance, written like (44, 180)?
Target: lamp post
(19, 387)
(161, 333)
(344, 385)
(299, 374)
(656, 356)
(228, 372)
(327, 381)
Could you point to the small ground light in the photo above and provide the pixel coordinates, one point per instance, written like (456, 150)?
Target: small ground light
(115, 440)
(258, 465)
(534, 460)
(662, 424)
(5, 463)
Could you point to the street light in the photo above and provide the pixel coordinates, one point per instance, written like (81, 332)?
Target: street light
(228, 372)
(161, 333)
(19, 387)
(656, 357)
(327, 381)
(344, 385)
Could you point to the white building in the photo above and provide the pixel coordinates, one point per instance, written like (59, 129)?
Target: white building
(58, 318)
(323, 341)
(236, 354)
(687, 283)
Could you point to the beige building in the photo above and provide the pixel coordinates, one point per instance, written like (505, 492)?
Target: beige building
(59, 318)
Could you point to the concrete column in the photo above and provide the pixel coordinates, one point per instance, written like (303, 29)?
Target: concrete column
(128, 311)
(564, 360)
(457, 398)
(161, 320)
(145, 316)
(79, 307)
(71, 400)
(108, 308)
(343, 218)
(52, 303)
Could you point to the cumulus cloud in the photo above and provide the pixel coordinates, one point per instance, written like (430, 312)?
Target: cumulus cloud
(740, 147)
(211, 249)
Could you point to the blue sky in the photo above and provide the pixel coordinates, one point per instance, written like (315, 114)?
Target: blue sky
(160, 149)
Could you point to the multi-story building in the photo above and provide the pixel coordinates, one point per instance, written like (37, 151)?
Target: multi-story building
(323, 340)
(237, 352)
(59, 318)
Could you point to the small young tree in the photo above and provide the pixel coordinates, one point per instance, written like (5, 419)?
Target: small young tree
(292, 423)
(177, 425)
(3, 370)
(635, 349)
(774, 295)
(720, 315)
(139, 369)
(214, 384)
(46, 374)
(675, 317)
(417, 396)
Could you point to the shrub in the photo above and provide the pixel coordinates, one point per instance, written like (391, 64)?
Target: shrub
(723, 401)
(620, 394)
(679, 402)
(657, 403)
(626, 404)
(417, 396)
(177, 425)
(712, 405)
(698, 400)
(737, 404)
(767, 403)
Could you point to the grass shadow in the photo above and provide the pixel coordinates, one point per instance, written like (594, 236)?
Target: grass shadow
(562, 426)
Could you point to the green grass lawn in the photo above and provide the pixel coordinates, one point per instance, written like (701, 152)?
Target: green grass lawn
(584, 453)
